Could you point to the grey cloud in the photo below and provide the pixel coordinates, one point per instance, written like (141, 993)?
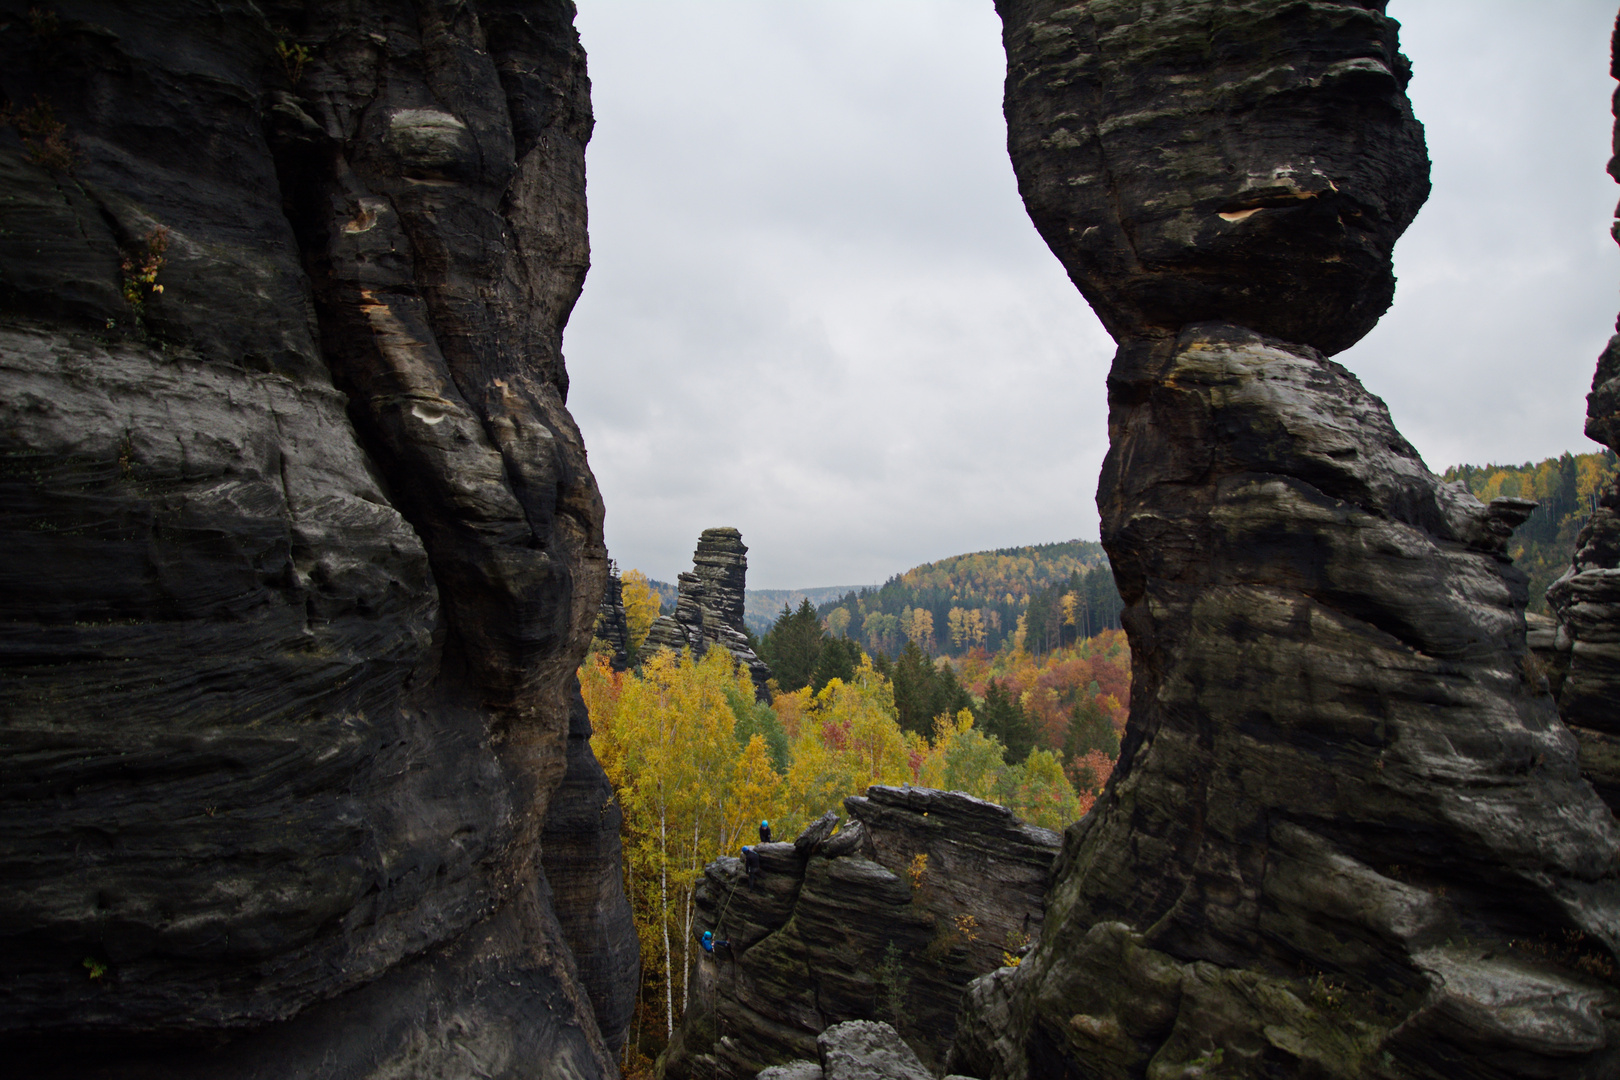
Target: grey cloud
(818, 312)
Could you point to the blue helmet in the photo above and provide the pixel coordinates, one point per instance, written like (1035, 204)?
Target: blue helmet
(764, 824)
(708, 935)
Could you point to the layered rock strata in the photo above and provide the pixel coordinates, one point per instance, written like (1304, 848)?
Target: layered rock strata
(612, 624)
(1586, 600)
(1347, 835)
(302, 549)
(709, 606)
(887, 919)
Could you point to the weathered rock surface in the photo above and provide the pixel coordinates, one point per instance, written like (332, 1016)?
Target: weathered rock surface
(612, 624)
(858, 925)
(709, 606)
(856, 1050)
(1347, 835)
(301, 551)
(1586, 600)
(864, 1050)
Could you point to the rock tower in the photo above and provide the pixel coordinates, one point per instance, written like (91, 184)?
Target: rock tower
(709, 605)
(1347, 835)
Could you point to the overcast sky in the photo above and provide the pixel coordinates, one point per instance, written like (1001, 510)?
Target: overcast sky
(817, 311)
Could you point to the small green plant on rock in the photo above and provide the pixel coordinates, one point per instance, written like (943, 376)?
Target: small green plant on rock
(43, 22)
(1326, 993)
(97, 969)
(43, 135)
(1012, 955)
(293, 57)
(918, 867)
(141, 266)
(893, 984)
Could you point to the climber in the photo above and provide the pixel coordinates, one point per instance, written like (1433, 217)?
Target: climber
(751, 861)
(765, 832)
(709, 944)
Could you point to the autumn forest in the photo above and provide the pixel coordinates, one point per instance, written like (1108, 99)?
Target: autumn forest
(1004, 674)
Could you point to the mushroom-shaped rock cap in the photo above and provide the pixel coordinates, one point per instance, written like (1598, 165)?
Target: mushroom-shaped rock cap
(1247, 161)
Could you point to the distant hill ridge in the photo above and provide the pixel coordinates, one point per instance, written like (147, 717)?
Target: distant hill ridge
(760, 606)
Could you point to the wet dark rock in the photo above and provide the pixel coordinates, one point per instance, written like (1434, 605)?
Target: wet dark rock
(709, 606)
(582, 858)
(301, 551)
(887, 919)
(1347, 832)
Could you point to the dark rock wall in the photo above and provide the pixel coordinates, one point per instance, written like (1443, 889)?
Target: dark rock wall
(709, 606)
(1347, 835)
(612, 624)
(301, 550)
(840, 929)
(1586, 600)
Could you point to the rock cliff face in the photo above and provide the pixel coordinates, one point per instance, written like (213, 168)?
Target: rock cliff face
(302, 548)
(1346, 835)
(1586, 600)
(887, 919)
(709, 605)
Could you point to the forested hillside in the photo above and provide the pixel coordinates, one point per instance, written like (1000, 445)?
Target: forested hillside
(1027, 710)
(761, 606)
(1053, 593)
(1565, 486)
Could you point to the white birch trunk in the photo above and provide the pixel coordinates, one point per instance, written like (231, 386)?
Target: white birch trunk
(663, 899)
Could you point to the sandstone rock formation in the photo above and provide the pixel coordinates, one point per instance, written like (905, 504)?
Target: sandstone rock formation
(1586, 600)
(709, 605)
(302, 550)
(1346, 835)
(887, 919)
(612, 624)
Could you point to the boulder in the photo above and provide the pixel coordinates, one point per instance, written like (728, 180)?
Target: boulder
(863, 1050)
(887, 919)
(1347, 834)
